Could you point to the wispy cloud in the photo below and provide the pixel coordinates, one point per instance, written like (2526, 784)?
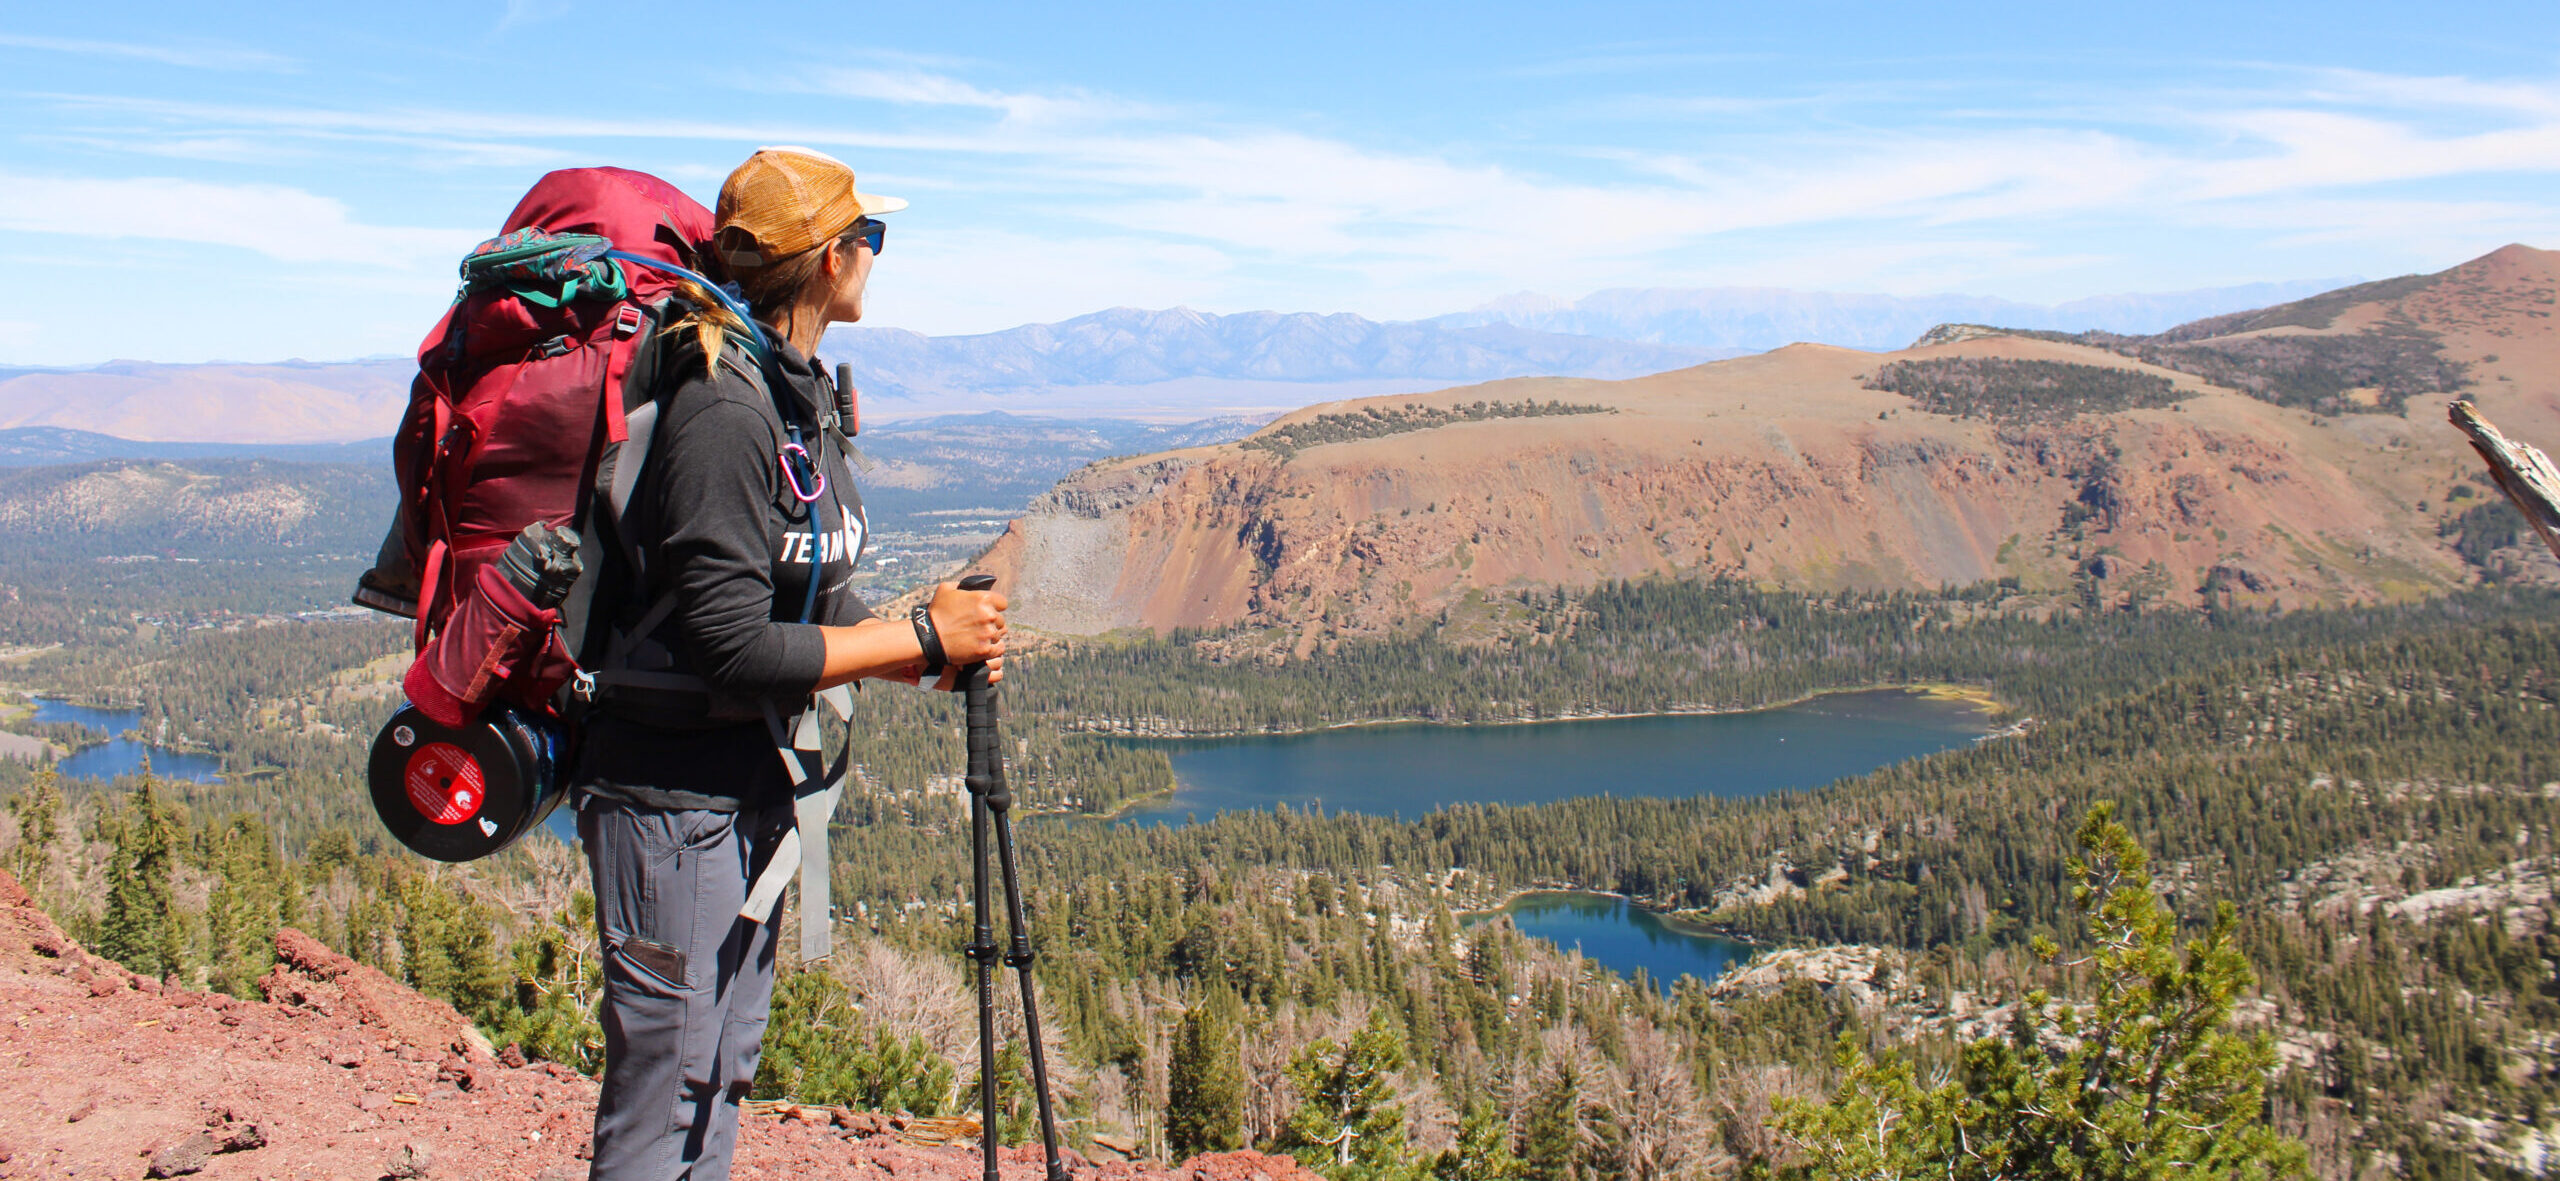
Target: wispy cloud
(506, 125)
(1949, 174)
(2309, 150)
(525, 12)
(2534, 99)
(200, 57)
(906, 86)
(942, 279)
(918, 87)
(2431, 226)
(282, 223)
(1628, 61)
(1201, 207)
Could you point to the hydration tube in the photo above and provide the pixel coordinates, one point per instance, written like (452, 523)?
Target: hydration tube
(736, 306)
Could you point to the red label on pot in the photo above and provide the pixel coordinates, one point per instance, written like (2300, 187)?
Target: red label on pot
(445, 785)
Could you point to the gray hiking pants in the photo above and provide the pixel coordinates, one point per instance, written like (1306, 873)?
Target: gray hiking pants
(687, 983)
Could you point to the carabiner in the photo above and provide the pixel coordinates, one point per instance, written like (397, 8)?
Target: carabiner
(792, 473)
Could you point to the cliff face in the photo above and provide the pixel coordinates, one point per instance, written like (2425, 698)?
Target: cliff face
(1787, 468)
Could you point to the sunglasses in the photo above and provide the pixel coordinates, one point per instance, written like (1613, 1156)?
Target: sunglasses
(867, 232)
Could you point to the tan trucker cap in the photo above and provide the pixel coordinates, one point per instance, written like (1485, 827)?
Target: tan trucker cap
(784, 200)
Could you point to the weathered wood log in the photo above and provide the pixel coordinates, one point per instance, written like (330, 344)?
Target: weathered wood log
(2522, 471)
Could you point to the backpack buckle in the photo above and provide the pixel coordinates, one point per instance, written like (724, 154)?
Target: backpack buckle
(627, 320)
(557, 346)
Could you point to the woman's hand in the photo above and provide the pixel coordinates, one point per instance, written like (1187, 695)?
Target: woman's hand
(971, 624)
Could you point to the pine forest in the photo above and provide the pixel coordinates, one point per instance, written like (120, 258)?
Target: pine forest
(2294, 864)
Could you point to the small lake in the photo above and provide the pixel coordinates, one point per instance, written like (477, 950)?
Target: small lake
(121, 755)
(1622, 937)
(1410, 770)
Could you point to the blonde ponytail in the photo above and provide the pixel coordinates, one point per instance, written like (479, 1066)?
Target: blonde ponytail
(771, 292)
(711, 322)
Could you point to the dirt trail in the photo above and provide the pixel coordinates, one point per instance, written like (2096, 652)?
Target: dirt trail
(344, 1073)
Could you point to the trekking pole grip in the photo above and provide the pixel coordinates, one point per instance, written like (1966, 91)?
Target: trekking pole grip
(986, 755)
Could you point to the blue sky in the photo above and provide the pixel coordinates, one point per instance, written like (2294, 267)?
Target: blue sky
(179, 183)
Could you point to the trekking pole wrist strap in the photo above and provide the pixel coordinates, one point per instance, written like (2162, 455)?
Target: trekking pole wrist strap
(930, 640)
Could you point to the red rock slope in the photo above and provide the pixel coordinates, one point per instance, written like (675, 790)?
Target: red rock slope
(342, 1072)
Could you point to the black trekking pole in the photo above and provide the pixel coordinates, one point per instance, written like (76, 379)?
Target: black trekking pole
(990, 797)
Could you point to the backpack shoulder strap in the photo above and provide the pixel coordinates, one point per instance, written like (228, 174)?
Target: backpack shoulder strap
(621, 455)
(619, 565)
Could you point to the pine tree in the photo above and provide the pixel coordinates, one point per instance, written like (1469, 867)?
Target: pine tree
(559, 982)
(141, 927)
(1205, 1112)
(38, 812)
(449, 945)
(818, 1048)
(1551, 1138)
(1348, 1124)
(332, 847)
(1014, 1105)
(371, 918)
(1483, 1151)
(2146, 1080)
(255, 893)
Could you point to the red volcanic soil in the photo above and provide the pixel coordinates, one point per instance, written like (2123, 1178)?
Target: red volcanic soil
(343, 1073)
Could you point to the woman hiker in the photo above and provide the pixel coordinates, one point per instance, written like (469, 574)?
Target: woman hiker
(680, 814)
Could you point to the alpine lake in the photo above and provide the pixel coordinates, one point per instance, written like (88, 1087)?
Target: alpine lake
(122, 753)
(1408, 770)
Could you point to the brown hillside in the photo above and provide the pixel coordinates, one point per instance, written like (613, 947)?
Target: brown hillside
(341, 1072)
(1787, 468)
(289, 403)
(261, 504)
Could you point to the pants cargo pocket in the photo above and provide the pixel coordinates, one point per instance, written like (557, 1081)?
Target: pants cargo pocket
(667, 891)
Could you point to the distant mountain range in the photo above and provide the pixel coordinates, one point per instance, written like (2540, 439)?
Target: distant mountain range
(1170, 366)
(39, 446)
(1209, 363)
(219, 402)
(1754, 319)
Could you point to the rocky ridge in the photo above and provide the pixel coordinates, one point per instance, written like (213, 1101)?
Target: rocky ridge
(341, 1072)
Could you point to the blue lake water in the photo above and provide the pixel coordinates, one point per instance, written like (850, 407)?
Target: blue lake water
(1621, 936)
(121, 755)
(1409, 770)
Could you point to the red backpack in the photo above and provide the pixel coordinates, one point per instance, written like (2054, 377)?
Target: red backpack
(533, 403)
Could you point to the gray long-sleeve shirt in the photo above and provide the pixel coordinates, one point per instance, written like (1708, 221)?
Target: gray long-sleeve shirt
(722, 531)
